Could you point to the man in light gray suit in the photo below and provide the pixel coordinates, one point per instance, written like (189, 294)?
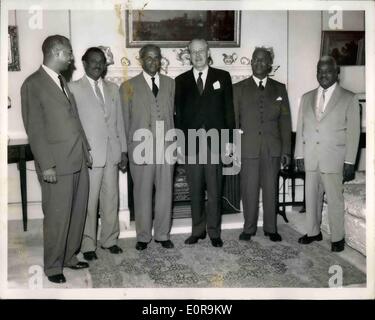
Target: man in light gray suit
(327, 140)
(148, 101)
(99, 107)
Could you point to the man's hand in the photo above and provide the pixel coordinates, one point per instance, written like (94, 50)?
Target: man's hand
(300, 164)
(348, 173)
(124, 162)
(285, 160)
(49, 175)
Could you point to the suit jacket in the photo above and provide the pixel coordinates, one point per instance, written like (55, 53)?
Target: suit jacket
(334, 139)
(137, 100)
(211, 110)
(52, 124)
(100, 131)
(263, 116)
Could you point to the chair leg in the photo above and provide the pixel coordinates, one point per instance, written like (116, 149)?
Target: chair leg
(283, 211)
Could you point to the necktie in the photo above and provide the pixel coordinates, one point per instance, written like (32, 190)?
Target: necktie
(261, 86)
(62, 86)
(200, 83)
(155, 88)
(320, 106)
(99, 93)
(100, 97)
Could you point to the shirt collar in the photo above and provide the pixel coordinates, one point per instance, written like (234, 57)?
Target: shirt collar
(92, 81)
(329, 90)
(204, 72)
(257, 80)
(53, 74)
(148, 77)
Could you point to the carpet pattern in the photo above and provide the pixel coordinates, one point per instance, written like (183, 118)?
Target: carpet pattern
(259, 263)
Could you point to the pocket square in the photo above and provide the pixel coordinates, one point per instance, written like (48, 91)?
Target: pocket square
(279, 99)
(216, 85)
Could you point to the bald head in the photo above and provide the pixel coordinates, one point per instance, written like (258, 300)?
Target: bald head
(327, 71)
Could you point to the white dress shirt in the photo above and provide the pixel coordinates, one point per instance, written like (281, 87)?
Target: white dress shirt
(204, 75)
(149, 80)
(257, 80)
(54, 76)
(100, 85)
(327, 95)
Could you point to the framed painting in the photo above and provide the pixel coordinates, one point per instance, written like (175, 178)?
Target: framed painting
(347, 47)
(175, 28)
(13, 51)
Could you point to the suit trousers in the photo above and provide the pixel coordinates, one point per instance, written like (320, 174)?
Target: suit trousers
(145, 179)
(203, 177)
(103, 189)
(259, 173)
(331, 184)
(64, 206)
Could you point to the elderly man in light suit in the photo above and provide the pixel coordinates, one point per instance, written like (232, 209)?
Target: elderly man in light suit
(99, 107)
(328, 132)
(148, 100)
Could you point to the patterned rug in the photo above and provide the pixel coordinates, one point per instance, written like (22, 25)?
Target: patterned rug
(258, 263)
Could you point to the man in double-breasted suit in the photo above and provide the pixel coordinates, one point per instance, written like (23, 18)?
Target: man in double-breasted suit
(61, 153)
(327, 140)
(99, 107)
(263, 115)
(204, 101)
(148, 103)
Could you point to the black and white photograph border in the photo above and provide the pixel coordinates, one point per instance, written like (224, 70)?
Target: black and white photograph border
(75, 20)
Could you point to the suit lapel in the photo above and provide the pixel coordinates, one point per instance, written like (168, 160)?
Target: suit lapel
(209, 81)
(314, 101)
(53, 86)
(107, 98)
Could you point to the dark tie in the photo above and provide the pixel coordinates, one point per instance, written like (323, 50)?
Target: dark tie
(261, 86)
(155, 88)
(63, 86)
(200, 83)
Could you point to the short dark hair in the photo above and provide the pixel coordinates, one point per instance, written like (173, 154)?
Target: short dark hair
(148, 47)
(268, 51)
(52, 41)
(92, 50)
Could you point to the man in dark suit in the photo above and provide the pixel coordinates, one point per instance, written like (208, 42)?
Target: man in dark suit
(263, 114)
(61, 154)
(204, 100)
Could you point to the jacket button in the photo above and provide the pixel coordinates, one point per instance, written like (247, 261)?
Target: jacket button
(317, 142)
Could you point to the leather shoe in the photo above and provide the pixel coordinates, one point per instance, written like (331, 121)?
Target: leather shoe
(168, 244)
(141, 245)
(90, 255)
(114, 249)
(79, 265)
(217, 242)
(57, 278)
(275, 237)
(306, 239)
(194, 239)
(245, 236)
(338, 246)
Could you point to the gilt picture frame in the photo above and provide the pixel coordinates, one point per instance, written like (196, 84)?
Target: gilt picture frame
(175, 28)
(13, 49)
